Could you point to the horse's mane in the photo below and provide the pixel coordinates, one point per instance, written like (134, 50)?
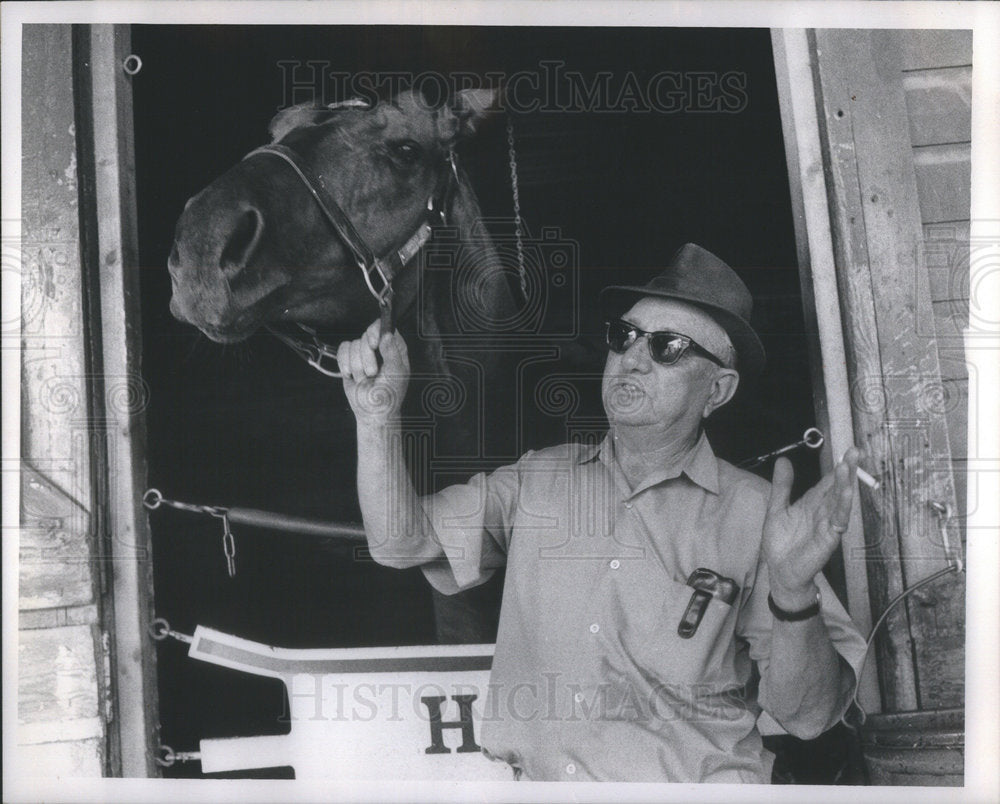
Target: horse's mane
(479, 285)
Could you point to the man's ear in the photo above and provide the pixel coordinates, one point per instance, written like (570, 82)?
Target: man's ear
(724, 387)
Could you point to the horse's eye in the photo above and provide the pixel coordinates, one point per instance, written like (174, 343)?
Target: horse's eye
(406, 151)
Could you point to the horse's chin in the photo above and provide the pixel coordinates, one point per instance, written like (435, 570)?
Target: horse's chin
(223, 334)
(227, 336)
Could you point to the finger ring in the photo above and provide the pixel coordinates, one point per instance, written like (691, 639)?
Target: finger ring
(840, 529)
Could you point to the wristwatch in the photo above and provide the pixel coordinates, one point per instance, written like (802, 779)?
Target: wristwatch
(793, 616)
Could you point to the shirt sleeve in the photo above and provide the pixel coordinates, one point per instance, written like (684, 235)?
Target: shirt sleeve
(472, 522)
(754, 625)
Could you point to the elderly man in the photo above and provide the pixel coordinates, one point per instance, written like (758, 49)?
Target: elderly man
(644, 577)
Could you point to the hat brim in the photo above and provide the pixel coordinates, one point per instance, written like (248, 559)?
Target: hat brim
(751, 357)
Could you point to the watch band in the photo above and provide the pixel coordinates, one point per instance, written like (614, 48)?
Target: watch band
(793, 616)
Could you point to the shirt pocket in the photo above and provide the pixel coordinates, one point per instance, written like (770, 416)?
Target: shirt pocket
(656, 647)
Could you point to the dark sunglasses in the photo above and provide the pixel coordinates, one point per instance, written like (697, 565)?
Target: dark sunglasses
(665, 348)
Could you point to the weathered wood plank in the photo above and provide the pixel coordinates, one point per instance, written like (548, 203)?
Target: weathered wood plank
(946, 254)
(939, 104)
(834, 90)
(106, 120)
(57, 678)
(962, 502)
(54, 549)
(56, 618)
(954, 365)
(821, 303)
(53, 365)
(924, 48)
(892, 356)
(951, 317)
(944, 182)
(956, 402)
(78, 759)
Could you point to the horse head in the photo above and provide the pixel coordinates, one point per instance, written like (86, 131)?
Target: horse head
(255, 247)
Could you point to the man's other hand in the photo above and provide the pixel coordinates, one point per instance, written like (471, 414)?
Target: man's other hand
(799, 539)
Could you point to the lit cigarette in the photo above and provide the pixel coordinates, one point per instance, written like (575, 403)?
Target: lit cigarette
(867, 479)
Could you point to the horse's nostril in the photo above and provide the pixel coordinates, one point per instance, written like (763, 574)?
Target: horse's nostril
(242, 240)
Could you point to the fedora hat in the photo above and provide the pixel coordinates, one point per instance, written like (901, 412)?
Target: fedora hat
(698, 277)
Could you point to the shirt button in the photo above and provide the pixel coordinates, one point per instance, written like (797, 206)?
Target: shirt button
(571, 769)
(594, 628)
(615, 563)
(578, 697)
(628, 505)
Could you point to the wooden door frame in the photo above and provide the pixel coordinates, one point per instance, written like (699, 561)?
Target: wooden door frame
(793, 65)
(866, 295)
(109, 108)
(111, 269)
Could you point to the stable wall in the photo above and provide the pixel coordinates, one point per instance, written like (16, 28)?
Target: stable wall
(63, 701)
(937, 82)
(891, 172)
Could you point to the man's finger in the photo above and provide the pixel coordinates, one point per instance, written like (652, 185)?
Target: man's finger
(781, 484)
(368, 360)
(357, 364)
(843, 492)
(373, 332)
(344, 361)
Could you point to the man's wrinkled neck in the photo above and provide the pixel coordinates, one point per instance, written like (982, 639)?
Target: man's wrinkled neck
(642, 450)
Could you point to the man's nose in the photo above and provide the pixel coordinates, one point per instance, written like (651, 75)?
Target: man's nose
(637, 357)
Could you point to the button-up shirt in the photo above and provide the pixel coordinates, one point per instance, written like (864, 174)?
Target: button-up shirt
(590, 678)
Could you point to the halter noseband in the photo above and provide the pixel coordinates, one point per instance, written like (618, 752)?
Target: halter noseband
(378, 272)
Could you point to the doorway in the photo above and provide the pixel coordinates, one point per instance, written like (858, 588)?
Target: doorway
(621, 171)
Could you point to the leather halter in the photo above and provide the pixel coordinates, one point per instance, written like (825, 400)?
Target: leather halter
(378, 272)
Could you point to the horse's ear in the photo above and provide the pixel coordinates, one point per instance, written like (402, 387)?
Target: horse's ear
(305, 114)
(471, 107)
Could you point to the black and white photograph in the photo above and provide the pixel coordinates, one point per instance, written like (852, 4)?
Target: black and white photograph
(421, 401)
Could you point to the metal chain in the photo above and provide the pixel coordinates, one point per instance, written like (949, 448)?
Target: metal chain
(518, 226)
(153, 499)
(228, 546)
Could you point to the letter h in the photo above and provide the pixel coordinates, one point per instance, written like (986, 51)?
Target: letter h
(464, 722)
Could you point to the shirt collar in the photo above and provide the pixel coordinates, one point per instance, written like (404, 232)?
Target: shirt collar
(700, 464)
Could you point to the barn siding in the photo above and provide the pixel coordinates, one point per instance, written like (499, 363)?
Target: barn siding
(937, 80)
(61, 725)
(903, 407)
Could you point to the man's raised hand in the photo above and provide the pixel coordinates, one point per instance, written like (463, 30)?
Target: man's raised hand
(799, 539)
(375, 393)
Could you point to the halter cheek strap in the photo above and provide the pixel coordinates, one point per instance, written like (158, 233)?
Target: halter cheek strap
(378, 272)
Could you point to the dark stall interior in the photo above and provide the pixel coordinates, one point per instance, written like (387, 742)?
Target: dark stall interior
(251, 425)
